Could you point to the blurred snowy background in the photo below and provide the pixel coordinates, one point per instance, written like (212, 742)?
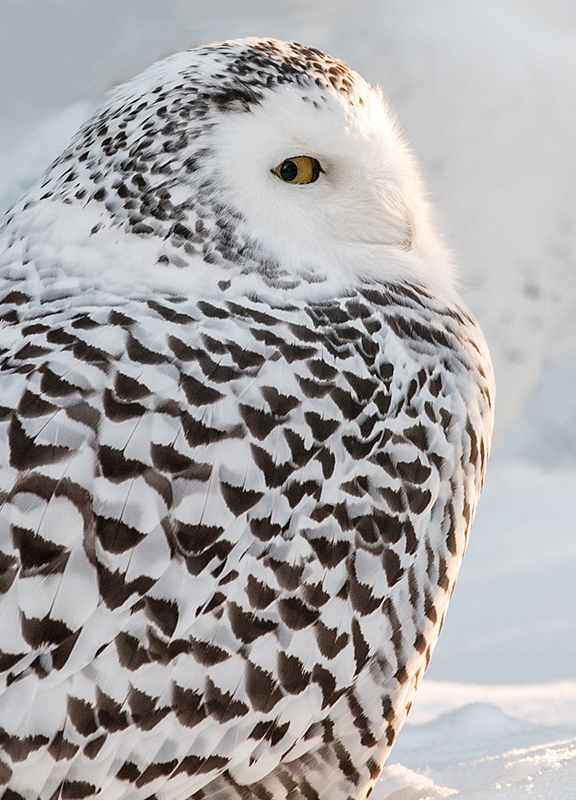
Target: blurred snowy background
(485, 93)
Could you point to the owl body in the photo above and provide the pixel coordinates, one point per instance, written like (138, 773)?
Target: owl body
(243, 432)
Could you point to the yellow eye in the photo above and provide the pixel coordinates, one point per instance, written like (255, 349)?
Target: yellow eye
(300, 169)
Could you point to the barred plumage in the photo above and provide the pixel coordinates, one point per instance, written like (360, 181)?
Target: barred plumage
(241, 441)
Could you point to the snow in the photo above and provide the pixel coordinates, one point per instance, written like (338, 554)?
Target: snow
(514, 602)
(471, 741)
(485, 93)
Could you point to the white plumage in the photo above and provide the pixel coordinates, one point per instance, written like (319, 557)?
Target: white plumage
(244, 426)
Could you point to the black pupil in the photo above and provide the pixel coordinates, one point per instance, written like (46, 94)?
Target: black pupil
(289, 170)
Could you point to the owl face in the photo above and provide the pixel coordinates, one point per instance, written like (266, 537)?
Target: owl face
(355, 197)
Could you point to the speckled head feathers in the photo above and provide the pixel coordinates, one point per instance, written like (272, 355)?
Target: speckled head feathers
(180, 159)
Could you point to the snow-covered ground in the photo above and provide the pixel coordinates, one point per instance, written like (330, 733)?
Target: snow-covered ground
(485, 92)
(486, 742)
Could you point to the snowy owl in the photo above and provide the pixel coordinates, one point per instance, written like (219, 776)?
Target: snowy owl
(244, 421)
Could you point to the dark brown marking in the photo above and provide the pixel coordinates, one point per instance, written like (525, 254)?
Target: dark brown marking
(270, 731)
(109, 712)
(116, 467)
(38, 554)
(164, 613)
(222, 705)
(330, 553)
(208, 654)
(82, 715)
(76, 790)
(259, 594)
(418, 435)
(143, 710)
(199, 394)
(296, 614)
(321, 428)
(329, 640)
(280, 405)
(293, 677)
(156, 770)
(260, 423)
(358, 448)
(274, 474)
(26, 454)
(361, 596)
(119, 410)
(60, 749)
(246, 626)
(31, 405)
(264, 529)
(313, 389)
(239, 500)
(196, 538)
(168, 459)
(188, 706)
(321, 370)
(261, 687)
(115, 536)
(115, 589)
(392, 567)
(92, 749)
(45, 631)
(315, 595)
